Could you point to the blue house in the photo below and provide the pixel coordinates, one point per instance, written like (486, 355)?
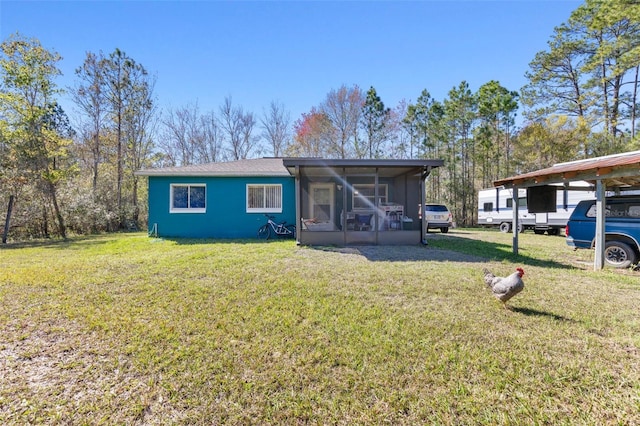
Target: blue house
(219, 200)
(331, 201)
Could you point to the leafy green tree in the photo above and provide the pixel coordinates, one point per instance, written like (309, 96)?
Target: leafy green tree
(116, 73)
(35, 129)
(496, 112)
(460, 115)
(555, 80)
(590, 70)
(421, 110)
(127, 91)
(431, 133)
(90, 95)
(410, 127)
(612, 30)
(425, 123)
(375, 123)
(115, 95)
(554, 140)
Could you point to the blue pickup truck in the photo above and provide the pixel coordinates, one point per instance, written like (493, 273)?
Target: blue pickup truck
(622, 229)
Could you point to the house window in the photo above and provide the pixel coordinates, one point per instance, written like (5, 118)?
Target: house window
(264, 198)
(364, 196)
(190, 198)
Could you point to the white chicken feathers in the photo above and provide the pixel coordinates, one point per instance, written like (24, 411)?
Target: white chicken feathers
(504, 288)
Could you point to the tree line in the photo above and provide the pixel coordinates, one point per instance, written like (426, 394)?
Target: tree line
(580, 100)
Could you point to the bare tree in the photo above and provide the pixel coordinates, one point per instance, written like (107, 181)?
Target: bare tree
(238, 129)
(189, 137)
(179, 135)
(249, 142)
(209, 149)
(275, 125)
(343, 107)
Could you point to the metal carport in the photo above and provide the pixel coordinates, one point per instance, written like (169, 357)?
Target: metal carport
(618, 172)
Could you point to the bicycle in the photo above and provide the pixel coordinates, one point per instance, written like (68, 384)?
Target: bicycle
(278, 229)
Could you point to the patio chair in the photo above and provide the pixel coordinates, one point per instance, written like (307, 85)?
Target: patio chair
(363, 222)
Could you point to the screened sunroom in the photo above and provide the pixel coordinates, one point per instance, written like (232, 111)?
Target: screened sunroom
(344, 202)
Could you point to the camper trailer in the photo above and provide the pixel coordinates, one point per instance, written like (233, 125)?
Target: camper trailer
(495, 208)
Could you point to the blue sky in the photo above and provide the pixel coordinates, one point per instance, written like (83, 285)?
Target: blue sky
(295, 52)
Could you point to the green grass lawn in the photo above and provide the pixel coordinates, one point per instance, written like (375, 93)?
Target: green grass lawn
(126, 329)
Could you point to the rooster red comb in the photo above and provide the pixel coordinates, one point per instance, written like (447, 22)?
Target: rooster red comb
(521, 271)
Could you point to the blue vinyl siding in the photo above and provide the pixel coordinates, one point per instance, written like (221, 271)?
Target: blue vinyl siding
(226, 214)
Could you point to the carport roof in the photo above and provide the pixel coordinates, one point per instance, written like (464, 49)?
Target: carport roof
(615, 171)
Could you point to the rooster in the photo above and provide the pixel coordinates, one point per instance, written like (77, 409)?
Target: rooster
(504, 288)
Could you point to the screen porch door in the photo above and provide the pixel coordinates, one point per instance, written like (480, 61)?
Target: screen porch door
(321, 202)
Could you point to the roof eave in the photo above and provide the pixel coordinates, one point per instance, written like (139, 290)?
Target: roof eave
(210, 174)
(316, 162)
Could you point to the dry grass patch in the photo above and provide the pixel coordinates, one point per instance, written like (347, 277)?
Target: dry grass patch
(130, 330)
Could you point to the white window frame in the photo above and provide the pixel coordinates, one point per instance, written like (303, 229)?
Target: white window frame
(187, 209)
(522, 202)
(382, 198)
(263, 209)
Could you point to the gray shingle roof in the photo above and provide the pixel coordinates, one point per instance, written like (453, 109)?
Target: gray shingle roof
(251, 167)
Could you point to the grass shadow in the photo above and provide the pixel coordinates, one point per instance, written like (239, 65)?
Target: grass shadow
(537, 313)
(446, 249)
(207, 241)
(492, 251)
(439, 248)
(402, 253)
(59, 243)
